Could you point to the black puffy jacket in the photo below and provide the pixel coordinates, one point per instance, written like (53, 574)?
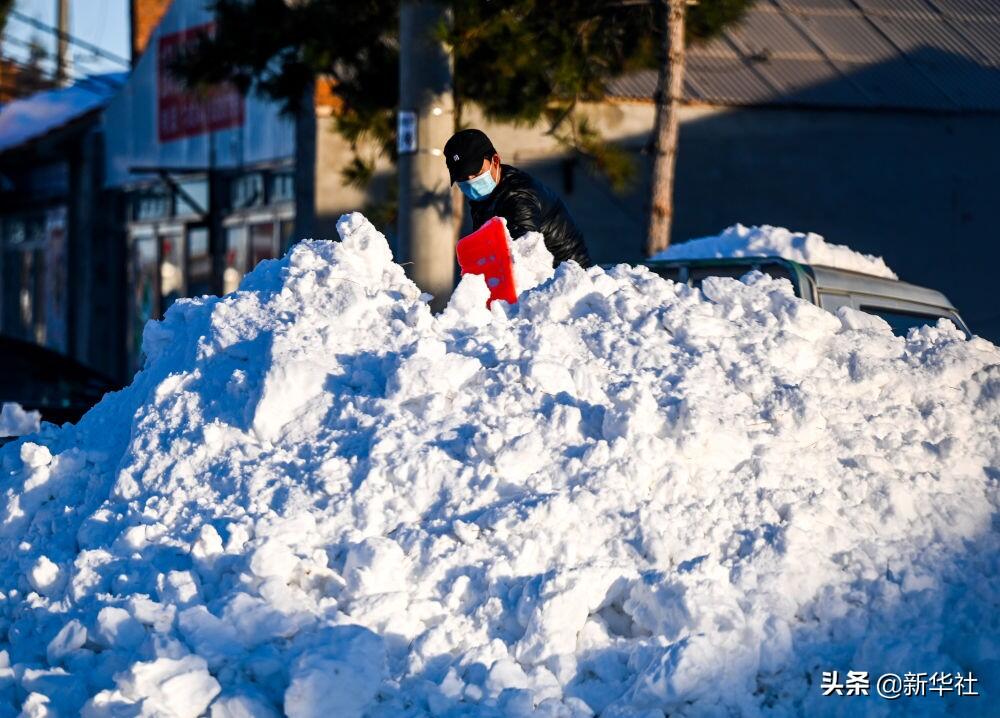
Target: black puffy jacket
(530, 206)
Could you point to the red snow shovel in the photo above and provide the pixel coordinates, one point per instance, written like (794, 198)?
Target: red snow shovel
(486, 252)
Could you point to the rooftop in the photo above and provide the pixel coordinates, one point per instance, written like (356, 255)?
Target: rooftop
(934, 55)
(31, 117)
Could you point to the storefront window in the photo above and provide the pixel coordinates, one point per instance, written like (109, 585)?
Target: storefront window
(56, 279)
(261, 243)
(31, 293)
(285, 229)
(16, 232)
(172, 255)
(171, 270)
(150, 204)
(236, 258)
(282, 187)
(248, 191)
(197, 190)
(28, 230)
(199, 262)
(144, 290)
(24, 277)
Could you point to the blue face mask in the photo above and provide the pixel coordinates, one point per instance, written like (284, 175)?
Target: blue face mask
(479, 187)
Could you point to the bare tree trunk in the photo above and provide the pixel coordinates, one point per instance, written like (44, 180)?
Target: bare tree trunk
(669, 91)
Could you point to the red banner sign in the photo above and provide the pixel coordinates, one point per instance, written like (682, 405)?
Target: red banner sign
(183, 113)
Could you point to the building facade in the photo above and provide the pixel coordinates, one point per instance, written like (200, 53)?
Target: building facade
(207, 181)
(59, 263)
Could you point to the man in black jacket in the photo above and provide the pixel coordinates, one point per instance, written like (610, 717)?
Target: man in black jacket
(499, 190)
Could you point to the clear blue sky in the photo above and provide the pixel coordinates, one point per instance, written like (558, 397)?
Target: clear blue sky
(101, 22)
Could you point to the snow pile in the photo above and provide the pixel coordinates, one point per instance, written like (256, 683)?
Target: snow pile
(622, 496)
(768, 241)
(15, 421)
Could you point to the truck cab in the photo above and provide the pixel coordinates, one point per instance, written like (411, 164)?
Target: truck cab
(900, 304)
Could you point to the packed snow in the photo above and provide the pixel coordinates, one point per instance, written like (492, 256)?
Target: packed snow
(16, 421)
(768, 241)
(621, 496)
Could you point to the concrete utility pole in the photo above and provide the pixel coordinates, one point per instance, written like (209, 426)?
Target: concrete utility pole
(426, 121)
(62, 42)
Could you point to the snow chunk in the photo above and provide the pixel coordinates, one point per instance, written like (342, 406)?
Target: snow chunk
(180, 688)
(287, 387)
(71, 637)
(467, 304)
(242, 706)
(15, 421)
(45, 575)
(214, 639)
(339, 677)
(376, 565)
(532, 260)
(273, 558)
(768, 241)
(34, 455)
(116, 628)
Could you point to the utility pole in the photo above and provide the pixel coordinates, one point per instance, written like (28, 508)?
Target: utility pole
(62, 42)
(305, 165)
(426, 121)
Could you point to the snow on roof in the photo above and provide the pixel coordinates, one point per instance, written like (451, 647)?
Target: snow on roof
(34, 116)
(621, 496)
(768, 241)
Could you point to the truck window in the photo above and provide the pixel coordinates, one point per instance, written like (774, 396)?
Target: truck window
(671, 273)
(832, 302)
(901, 322)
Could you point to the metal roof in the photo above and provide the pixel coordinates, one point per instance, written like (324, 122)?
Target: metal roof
(842, 280)
(940, 55)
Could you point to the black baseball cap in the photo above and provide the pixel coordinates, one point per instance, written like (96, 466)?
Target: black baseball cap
(464, 153)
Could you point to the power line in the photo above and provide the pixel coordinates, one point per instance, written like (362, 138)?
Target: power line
(87, 84)
(22, 65)
(74, 75)
(100, 51)
(23, 43)
(28, 45)
(82, 57)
